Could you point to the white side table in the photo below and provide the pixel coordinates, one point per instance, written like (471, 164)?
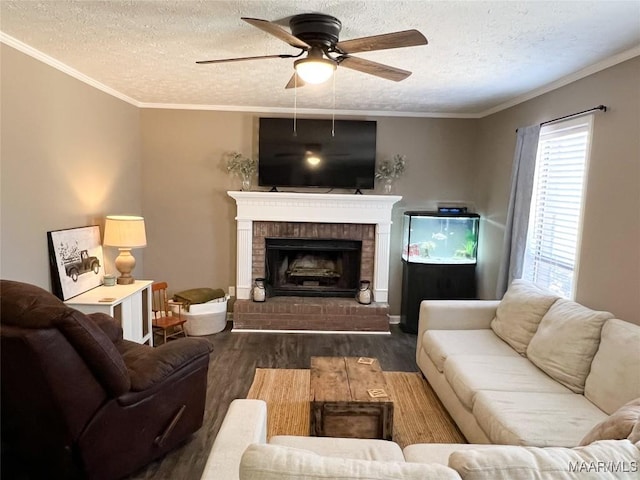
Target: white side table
(128, 304)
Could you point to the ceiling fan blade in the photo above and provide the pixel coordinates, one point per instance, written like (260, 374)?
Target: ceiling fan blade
(373, 68)
(406, 38)
(242, 59)
(277, 31)
(295, 81)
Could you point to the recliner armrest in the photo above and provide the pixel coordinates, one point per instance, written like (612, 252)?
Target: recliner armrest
(149, 366)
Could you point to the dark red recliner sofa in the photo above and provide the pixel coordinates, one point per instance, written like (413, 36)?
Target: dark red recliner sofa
(78, 401)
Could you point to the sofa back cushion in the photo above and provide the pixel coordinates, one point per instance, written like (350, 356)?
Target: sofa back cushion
(28, 306)
(31, 307)
(614, 378)
(519, 313)
(566, 341)
(97, 350)
(609, 459)
(273, 462)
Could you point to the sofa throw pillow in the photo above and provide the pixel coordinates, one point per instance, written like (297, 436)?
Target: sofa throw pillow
(614, 379)
(608, 459)
(566, 341)
(273, 462)
(623, 423)
(519, 313)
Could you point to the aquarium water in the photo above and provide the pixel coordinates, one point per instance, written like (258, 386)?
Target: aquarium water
(433, 238)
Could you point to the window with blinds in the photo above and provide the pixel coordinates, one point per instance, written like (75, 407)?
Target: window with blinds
(555, 219)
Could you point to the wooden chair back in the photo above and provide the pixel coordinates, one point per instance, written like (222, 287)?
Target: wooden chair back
(160, 301)
(167, 321)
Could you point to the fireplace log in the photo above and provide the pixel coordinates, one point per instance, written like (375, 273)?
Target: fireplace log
(313, 272)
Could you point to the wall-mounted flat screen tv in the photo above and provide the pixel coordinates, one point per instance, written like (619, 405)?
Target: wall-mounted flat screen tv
(313, 157)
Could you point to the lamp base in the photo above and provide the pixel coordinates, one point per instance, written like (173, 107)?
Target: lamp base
(125, 263)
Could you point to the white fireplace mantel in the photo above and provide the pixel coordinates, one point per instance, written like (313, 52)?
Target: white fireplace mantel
(315, 208)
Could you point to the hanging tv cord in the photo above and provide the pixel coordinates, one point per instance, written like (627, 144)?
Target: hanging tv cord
(295, 104)
(333, 107)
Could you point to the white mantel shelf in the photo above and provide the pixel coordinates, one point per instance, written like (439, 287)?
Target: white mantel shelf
(315, 208)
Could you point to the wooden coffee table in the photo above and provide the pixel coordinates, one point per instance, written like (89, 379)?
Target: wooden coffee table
(349, 398)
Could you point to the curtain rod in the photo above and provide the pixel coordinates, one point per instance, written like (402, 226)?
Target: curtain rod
(577, 114)
(572, 115)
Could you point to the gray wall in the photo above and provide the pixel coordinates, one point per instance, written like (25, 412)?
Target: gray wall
(71, 155)
(192, 219)
(609, 272)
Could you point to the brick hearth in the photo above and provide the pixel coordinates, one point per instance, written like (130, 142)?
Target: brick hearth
(310, 313)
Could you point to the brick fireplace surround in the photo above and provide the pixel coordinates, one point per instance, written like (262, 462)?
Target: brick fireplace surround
(365, 218)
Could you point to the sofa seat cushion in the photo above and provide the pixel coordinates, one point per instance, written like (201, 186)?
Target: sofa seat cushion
(275, 462)
(519, 313)
(436, 452)
(609, 459)
(535, 418)
(439, 344)
(354, 448)
(469, 374)
(623, 423)
(614, 378)
(566, 341)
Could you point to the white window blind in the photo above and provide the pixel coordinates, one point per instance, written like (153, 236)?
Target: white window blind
(555, 220)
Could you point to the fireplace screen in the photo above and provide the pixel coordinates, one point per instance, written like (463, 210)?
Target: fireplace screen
(312, 267)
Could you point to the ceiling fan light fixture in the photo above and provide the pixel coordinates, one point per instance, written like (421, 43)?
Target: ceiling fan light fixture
(315, 70)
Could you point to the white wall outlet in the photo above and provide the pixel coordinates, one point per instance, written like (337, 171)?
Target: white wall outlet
(232, 291)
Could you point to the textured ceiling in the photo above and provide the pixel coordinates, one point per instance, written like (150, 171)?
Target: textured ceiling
(481, 55)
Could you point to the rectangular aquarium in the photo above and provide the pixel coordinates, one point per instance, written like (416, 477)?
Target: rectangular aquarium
(440, 238)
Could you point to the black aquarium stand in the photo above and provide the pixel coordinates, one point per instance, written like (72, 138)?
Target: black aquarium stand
(438, 260)
(433, 282)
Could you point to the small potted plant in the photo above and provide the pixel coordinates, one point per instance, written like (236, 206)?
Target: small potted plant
(241, 166)
(390, 170)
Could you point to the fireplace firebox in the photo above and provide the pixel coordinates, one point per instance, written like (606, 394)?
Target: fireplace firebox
(312, 267)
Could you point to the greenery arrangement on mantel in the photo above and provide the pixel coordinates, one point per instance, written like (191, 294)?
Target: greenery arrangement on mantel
(390, 170)
(242, 167)
(245, 167)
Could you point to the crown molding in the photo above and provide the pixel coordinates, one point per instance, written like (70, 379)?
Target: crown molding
(38, 55)
(64, 68)
(585, 72)
(305, 111)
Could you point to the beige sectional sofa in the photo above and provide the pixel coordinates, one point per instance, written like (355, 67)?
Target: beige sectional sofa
(532, 374)
(241, 451)
(532, 369)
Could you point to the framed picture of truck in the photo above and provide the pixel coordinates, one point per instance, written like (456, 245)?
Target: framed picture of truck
(76, 260)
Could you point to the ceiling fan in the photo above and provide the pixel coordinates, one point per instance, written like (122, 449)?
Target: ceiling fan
(317, 34)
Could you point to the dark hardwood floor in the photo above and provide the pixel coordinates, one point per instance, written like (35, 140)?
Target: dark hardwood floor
(232, 366)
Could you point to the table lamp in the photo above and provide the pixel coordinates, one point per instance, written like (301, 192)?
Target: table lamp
(125, 232)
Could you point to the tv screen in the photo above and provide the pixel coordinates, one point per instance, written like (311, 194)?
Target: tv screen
(312, 157)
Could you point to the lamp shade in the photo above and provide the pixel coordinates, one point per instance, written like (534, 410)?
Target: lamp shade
(124, 231)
